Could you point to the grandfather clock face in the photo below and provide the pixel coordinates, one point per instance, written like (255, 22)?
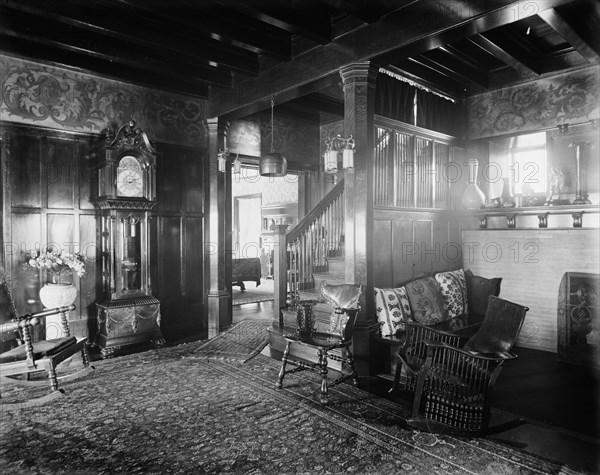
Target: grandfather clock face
(130, 177)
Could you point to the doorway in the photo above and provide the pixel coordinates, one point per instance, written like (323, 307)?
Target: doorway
(247, 226)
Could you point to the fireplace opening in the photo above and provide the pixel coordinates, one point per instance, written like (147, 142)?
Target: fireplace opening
(578, 319)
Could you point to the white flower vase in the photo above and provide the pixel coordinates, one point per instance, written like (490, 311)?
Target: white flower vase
(52, 296)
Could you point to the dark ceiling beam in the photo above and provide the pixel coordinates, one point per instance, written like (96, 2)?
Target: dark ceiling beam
(253, 35)
(312, 23)
(396, 36)
(281, 97)
(477, 18)
(449, 65)
(131, 73)
(558, 24)
(364, 12)
(95, 16)
(108, 49)
(441, 71)
(320, 103)
(492, 48)
(430, 76)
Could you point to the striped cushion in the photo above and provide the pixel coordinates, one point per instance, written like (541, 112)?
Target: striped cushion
(393, 310)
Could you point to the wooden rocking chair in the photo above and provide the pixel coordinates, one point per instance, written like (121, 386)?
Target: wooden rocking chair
(33, 357)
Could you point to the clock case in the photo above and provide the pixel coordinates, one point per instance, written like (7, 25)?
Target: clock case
(128, 314)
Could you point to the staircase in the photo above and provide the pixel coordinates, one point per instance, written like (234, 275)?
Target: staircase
(316, 246)
(315, 250)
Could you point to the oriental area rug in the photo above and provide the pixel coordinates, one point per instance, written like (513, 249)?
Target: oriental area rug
(173, 410)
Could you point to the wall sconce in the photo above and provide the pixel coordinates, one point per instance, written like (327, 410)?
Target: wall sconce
(222, 157)
(335, 147)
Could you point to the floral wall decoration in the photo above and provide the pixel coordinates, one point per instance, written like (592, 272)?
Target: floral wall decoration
(298, 141)
(57, 98)
(243, 137)
(547, 102)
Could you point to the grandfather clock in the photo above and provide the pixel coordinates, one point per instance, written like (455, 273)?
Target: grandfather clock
(128, 314)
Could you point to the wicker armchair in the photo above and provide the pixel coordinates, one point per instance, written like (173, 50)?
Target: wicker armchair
(454, 385)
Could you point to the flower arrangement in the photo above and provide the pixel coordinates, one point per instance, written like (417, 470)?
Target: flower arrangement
(57, 263)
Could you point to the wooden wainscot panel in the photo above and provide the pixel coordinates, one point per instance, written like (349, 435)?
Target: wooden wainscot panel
(61, 164)
(409, 243)
(25, 171)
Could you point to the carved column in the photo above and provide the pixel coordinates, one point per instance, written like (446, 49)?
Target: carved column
(279, 273)
(218, 300)
(359, 111)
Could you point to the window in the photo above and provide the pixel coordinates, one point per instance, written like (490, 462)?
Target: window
(528, 163)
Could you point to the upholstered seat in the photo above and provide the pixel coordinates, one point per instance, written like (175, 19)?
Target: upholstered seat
(41, 349)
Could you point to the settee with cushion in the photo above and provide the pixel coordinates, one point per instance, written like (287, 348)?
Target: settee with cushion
(452, 301)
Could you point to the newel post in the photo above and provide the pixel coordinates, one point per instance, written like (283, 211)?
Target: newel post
(279, 273)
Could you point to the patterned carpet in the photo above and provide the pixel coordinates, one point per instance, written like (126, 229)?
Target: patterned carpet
(173, 410)
(253, 294)
(241, 342)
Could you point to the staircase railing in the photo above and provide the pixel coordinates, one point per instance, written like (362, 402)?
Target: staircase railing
(314, 241)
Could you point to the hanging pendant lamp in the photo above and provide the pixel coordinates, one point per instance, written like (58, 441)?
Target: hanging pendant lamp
(272, 163)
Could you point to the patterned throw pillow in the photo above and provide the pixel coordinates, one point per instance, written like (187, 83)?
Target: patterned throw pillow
(453, 286)
(393, 310)
(426, 301)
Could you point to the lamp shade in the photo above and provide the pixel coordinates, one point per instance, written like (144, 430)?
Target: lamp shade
(348, 158)
(331, 161)
(272, 164)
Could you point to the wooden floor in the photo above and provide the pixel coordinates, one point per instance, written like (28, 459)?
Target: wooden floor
(559, 402)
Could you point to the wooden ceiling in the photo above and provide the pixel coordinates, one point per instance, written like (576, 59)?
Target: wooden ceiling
(238, 53)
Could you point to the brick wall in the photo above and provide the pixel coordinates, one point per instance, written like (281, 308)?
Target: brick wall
(531, 263)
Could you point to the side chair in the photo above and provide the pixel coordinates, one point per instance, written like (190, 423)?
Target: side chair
(18, 363)
(344, 298)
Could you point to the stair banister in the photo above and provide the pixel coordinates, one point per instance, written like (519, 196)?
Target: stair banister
(308, 246)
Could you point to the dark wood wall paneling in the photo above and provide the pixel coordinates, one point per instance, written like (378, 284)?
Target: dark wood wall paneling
(48, 197)
(179, 248)
(48, 202)
(413, 243)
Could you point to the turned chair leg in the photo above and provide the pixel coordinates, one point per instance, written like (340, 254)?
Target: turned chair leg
(350, 362)
(51, 370)
(323, 365)
(85, 356)
(286, 352)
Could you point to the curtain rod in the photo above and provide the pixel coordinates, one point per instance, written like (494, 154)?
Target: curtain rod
(401, 77)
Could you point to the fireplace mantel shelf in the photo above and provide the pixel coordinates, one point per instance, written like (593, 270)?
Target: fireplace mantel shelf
(542, 213)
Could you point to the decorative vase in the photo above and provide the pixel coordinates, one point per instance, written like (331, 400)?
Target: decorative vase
(52, 296)
(473, 197)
